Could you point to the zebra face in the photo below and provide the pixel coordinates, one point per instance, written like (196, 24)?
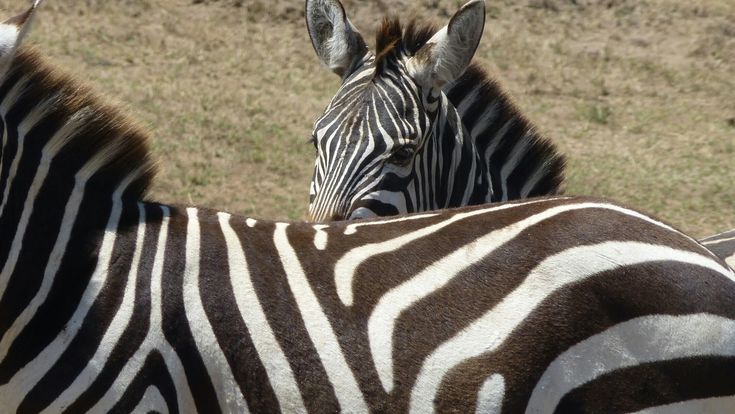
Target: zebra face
(368, 143)
(377, 138)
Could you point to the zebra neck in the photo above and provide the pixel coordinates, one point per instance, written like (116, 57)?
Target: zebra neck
(460, 175)
(521, 162)
(61, 144)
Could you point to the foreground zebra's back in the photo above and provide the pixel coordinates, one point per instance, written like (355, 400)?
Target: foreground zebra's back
(566, 303)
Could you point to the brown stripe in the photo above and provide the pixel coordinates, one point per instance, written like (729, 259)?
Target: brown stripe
(175, 324)
(579, 311)
(222, 311)
(137, 327)
(283, 315)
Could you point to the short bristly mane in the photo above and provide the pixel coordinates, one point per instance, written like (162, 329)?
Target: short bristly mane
(88, 134)
(391, 40)
(483, 105)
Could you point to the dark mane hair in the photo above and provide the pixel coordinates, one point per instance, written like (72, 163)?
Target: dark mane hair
(391, 41)
(101, 132)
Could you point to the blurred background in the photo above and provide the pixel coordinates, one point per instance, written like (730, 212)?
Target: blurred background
(639, 94)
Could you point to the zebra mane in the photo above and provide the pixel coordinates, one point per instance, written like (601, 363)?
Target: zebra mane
(485, 108)
(91, 138)
(498, 127)
(391, 40)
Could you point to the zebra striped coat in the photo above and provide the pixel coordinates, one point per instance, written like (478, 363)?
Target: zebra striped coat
(111, 303)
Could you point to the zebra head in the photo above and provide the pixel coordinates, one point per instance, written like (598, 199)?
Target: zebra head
(378, 138)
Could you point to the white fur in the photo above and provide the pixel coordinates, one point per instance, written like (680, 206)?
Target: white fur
(228, 391)
(394, 303)
(70, 214)
(352, 228)
(23, 381)
(320, 237)
(711, 242)
(23, 129)
(339, 51)
(450, 51)
(395, 198)
(152, 401)
(8, 39)
(117, 326)
(320, 330)
(490, 397)
(344, 269)
(277, 367)
(155, 339)
(11, 36)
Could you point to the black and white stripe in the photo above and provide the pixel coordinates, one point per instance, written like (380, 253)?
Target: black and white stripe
(395, 139)
(112, 304)
(723, 245)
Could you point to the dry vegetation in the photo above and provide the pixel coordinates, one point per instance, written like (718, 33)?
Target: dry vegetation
(640, 94)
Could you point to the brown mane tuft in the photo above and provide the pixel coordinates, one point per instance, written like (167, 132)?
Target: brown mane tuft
(391, 40)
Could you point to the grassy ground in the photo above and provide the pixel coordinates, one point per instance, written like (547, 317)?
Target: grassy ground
(640, 94)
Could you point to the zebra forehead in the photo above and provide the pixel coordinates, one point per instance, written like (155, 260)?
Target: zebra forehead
(380, 105)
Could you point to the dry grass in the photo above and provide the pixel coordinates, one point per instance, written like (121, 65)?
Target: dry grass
(639, 94)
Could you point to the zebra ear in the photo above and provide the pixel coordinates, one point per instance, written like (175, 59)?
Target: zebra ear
(12, 32)
(336, 41)
(449, 52)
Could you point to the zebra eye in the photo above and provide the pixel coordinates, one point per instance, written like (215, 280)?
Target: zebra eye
(402, 156)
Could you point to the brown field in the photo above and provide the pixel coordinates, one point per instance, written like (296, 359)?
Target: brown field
(640, 94)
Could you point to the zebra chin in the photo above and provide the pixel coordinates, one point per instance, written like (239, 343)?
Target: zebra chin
(362, 213)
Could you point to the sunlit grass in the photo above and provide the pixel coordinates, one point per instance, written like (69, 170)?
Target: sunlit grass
(639, 95)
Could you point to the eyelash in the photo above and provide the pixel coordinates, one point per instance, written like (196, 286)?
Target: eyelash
(403, 155)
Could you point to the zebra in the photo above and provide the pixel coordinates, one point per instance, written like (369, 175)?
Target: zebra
(390, 142)
(113, 303)
(414, 126)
